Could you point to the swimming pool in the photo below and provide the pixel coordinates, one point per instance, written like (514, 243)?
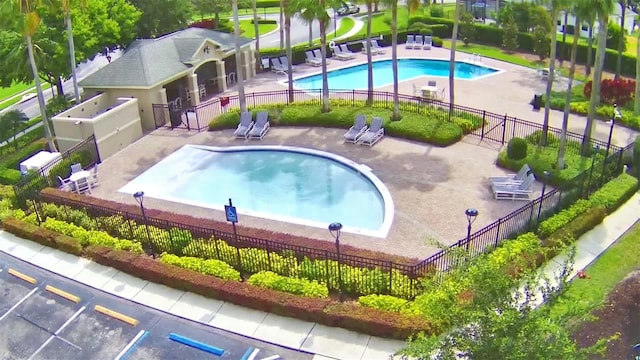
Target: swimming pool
(297, 185)
(355, 77)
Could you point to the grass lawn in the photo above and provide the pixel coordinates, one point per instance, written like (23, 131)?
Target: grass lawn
(6, 103)
(12, 90)
(249, 30)
(346, 24)
(584, 295)
(492, 52)
(241, 12)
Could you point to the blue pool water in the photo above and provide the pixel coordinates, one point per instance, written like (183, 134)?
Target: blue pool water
(355, 77)
(277, 184)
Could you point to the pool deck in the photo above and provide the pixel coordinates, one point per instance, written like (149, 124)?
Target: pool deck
(430, 186)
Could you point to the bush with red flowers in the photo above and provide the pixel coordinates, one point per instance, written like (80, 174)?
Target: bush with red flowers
(613, 91)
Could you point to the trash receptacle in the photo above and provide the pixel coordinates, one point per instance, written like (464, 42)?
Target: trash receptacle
(536, 102)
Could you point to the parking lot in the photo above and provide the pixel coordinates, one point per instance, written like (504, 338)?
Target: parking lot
(45, 316)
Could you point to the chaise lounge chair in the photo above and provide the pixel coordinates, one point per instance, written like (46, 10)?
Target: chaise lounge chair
(514, 191)
(357, 130)
(418, 43)
(374, 133)
(427, 42)
(513, 178)
(375, 46)
(411, 40)
(245, 126)
(261, 127)
(312, 59)
(318, 55)
(342, 52)
(276, 65)
(285, 64)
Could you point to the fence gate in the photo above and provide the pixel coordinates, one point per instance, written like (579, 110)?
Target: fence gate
(494, 128)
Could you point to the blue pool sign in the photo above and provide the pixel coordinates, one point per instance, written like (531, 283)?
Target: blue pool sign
(231, 213)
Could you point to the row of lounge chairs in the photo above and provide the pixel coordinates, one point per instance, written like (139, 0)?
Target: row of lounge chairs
(418, 42)
(359, 133)
(314, 57)
(513, 187)
(341, 52)
(248, 129)
(376, 49)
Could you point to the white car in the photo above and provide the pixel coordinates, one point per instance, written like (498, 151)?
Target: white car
(28, 96)
(348, 8)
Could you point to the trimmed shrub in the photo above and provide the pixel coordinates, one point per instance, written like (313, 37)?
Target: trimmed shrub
(13, 160)
(436, 11)
(215, 268)
(436, 42)
(557, 221)
(9, 176)
(271, 280)
(517, 149)
(574, 229)
(536, 137)
(615, 192)
(42, 236)
(383, 302)
(265, 21)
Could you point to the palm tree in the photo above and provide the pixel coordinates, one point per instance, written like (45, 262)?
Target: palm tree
(602, 8)
(65, 5)
(567, 105)
(452, 58)
(394, 59)
(22, 16)
(288, 12)
(556, 6)
(623, 13)
(11, 121)
(369, 4)
(256, 26)
(585, 11)
(239, 74)
(636, 101)
(311, 10)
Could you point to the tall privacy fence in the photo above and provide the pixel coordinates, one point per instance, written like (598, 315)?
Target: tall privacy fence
(85, 153)
(498, 128)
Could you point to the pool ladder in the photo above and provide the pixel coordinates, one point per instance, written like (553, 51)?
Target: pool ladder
(475, 58)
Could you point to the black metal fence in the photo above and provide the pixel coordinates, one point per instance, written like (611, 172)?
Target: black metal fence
(498, 128)
(85, 153)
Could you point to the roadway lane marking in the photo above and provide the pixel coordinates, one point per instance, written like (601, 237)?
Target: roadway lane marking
(55, 334)
(63, 294)
(22, 276)
(273, 357)
(196, 344)
(114, 314)
(250, 354)
(18, 304)
(126, 352)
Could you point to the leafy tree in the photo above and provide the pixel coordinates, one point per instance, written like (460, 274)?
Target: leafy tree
(205, 7)
(160, 17)
(10, 123)
(541, 42)
(101, 23)
(510, 35)
(467, 28)
(22, 16)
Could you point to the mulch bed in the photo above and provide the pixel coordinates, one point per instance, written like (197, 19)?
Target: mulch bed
(620, 315)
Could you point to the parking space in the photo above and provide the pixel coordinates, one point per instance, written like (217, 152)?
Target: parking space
(45, 316)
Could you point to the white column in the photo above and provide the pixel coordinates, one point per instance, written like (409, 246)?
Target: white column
(222, 76)
(194, 90)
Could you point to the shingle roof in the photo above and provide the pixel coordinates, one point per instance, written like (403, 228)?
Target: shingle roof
(147, 62)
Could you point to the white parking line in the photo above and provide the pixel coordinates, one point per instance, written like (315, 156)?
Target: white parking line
(55, 334)
(18, 303)
(130, 345)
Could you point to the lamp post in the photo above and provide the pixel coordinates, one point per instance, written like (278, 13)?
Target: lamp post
(544, 187)
(616, 115)
(139, 196)
(334, 229)
(593, 162)
(471, 217)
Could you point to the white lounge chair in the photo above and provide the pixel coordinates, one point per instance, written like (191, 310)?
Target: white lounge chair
(318, 55)
(418, 43)
(375, 46)
(285, 64)
(357, 130)
(411, 40)
(312, 59)
(261, 127)
(245, 126)
(427, 42)
(517, 178)
(374, 133)
(344, 52)
(276, 65)
(514, 191)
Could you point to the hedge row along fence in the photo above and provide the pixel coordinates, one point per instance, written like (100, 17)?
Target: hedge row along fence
(324, 311)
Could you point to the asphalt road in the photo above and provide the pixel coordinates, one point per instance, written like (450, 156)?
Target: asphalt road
(299, 30)
(37, 323)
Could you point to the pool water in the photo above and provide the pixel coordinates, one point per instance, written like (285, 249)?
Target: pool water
(277, 184)
(355, 77)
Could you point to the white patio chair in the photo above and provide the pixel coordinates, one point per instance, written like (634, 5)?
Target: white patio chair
(357, 130)
(411, 40)
(245, 126)
(373, 134)
(65, 184)
(514, 191)
(77, 167)
(93, 178)
(261, 127)
(517, 178)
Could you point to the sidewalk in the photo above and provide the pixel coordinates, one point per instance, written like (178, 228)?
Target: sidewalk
(324, 341)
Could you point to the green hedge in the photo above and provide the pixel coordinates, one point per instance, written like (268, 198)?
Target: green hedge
(9, 176)
(425, 127)
(215, 268)
(557, 221)
(271, 280)
(13, 160)
(570, 232)
(265, 21)
(615, 192)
